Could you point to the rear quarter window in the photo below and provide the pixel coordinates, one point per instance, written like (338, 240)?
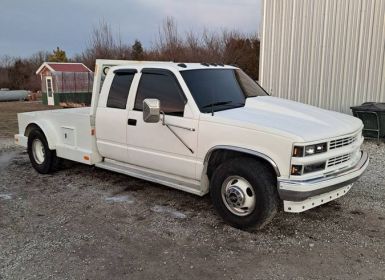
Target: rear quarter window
(120, 87)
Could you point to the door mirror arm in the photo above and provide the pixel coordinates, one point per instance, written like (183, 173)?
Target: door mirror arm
(151, 114)
(174, 125)
(173, 132)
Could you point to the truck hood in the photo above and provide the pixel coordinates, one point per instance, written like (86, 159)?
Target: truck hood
(285, 117)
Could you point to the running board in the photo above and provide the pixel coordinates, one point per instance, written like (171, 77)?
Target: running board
(173, 181)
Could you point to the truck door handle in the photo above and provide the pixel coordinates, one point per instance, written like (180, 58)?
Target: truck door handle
(131, 122)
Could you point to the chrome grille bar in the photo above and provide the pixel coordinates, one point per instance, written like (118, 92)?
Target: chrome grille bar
(342, 142)
(338, 160)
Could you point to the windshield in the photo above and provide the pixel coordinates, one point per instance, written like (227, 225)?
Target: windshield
(220, 89)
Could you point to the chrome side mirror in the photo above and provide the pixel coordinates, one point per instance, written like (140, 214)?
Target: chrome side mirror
(151, 110)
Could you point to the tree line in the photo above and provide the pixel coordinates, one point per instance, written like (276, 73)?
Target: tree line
(228, 47)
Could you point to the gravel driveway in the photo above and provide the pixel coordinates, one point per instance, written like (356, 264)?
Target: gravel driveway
(87, 223)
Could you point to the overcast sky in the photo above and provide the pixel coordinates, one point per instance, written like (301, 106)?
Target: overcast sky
(28, 26)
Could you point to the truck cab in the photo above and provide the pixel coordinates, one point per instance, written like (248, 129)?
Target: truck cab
(204, 128)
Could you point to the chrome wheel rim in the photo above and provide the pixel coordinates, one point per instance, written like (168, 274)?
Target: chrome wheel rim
(238, 195)
(38, 151)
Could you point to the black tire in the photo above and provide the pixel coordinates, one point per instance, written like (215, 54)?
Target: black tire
(50, 161)
(264, 192)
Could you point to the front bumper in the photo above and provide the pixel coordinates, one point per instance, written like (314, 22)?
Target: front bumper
(302, 190)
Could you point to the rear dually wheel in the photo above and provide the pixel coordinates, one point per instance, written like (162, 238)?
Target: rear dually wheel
(42, 158)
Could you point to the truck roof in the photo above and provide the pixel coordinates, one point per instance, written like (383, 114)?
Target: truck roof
(191, 66)
(180, 66)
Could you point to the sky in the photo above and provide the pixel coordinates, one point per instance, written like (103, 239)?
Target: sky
(28, 26)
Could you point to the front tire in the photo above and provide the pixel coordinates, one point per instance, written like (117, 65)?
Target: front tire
(244, 193)
(42, 158)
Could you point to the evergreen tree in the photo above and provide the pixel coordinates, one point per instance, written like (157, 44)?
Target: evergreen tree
(137, 50)
(58, 55)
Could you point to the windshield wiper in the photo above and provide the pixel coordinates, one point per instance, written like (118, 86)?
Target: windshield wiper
(222, 103)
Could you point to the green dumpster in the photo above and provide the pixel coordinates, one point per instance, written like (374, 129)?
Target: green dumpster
(372, 115)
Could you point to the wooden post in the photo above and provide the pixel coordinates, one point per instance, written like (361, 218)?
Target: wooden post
(75, 80)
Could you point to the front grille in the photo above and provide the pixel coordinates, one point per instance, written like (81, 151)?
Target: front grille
(338, 160)
(342, 142)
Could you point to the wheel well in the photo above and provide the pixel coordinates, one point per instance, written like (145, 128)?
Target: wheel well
(221, 155)
(31, 127)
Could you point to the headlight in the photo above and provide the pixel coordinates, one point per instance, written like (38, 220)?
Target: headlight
(301, 151)
(309, 150)
(299, 170)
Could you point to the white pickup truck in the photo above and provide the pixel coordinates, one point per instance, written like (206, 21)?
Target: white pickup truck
(203, 128)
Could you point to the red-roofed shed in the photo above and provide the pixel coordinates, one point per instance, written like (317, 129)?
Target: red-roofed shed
(66, 84)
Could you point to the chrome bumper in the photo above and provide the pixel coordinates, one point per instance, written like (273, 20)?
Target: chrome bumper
(300, 190)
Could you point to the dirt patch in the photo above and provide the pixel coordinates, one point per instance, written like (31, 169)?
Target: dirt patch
(8, 115)
(5, 158)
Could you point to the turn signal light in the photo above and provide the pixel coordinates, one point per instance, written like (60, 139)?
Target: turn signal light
(298, 151)
(298, 170)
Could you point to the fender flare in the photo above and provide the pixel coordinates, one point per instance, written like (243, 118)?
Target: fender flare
(204, 178)
(240, 150)
(48, 130)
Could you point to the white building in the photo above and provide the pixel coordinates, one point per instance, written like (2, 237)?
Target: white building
(328, 53)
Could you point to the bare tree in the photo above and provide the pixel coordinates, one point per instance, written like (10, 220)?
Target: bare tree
(169, 43)
(195, 52)
(104, 44)
(230, 47)
(6, 61)
(38, 58)
(34, 62)
(102, 41)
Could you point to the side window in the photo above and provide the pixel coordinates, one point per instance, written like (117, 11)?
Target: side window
(163, 87)
(120, 87)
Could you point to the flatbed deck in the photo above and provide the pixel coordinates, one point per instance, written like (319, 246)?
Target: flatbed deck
(72, 136)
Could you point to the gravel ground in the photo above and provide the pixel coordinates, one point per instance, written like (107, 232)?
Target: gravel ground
(88, 223)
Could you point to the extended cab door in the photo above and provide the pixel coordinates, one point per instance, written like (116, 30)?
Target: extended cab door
(112, 114)
(153, 145)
